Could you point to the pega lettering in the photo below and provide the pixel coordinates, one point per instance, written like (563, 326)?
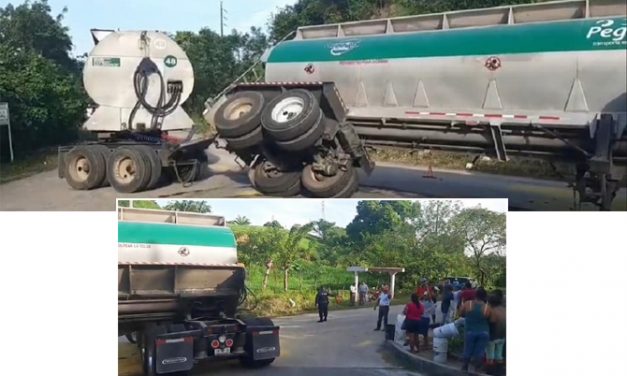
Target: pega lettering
(608, 30)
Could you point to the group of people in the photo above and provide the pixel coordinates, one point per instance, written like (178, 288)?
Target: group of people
(363, 292)
(483, 314)
(484, 320)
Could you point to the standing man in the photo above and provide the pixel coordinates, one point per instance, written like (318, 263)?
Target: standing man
(322, 301)
(363, 293)
(447, 302)
(383, 302)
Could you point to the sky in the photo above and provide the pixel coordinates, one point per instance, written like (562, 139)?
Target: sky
(169, 16)
(299, 211)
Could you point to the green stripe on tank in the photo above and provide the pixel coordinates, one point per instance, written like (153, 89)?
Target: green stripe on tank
(579, 35)
(157, 233)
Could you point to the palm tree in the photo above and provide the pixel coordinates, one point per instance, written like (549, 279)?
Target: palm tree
(189, 206)
(290, 247)
(241, 221)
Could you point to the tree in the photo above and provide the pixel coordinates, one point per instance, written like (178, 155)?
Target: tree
(273, 223)
(189, 206)
(483, 233)
(241, 221)
(38, 78)
(375, 217)
(145, 204)
(217, 61)
(142, 204)
(289, 247)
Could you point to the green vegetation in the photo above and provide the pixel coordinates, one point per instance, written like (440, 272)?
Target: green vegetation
(434, 240)
(38, 78)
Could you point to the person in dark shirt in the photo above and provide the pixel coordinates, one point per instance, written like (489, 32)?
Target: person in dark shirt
(322, 302)
(447, 301)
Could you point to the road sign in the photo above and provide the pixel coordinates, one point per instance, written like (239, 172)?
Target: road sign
(356, 269)
(5, 120)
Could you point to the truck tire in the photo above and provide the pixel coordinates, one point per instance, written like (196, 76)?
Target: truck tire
(105, 152)
(246, 141)
(290, 115)
(306, 140)
(155, 165)
(128, 169)
(240, 114)
(85, 167)
(149, 357)
(327, 186)
(272, 182)
(351, 187)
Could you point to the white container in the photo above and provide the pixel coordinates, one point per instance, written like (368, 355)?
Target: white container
(440, 349)
(399, 334)
(446, 331)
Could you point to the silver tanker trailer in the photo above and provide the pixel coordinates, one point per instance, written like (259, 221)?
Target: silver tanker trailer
(179, 288)
(546, 79)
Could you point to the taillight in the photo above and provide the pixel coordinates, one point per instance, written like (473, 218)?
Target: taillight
(229, 342)
(215, 344)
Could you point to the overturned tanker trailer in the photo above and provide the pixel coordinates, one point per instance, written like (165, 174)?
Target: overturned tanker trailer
(179, 288)
(544, 80)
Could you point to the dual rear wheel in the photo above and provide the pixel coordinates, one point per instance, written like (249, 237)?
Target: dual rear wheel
(127, 169)
(293, 122)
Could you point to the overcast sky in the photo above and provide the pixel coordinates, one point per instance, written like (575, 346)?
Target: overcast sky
(170, 16)
(300, 211)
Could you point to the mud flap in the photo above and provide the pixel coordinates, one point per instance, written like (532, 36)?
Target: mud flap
(174, 353)
(262, 341)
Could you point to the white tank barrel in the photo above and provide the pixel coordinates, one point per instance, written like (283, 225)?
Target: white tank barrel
(109, 76)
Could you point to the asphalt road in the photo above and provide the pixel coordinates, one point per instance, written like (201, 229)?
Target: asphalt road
(225, 178)
(344, 345)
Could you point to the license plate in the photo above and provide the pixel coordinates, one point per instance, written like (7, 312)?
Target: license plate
(222, 351)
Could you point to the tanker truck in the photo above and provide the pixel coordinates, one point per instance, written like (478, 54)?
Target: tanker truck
(545, 79)
(179, 288)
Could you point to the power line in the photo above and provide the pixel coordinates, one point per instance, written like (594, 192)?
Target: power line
(222, 18)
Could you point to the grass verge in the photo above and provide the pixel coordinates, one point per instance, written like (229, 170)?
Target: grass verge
(36, 162)
(298, 302)
(516, 166)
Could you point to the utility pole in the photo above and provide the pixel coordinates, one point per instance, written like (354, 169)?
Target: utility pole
(323, 213)
(222, 19)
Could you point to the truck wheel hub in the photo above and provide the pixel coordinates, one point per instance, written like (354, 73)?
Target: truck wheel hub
(287, 109)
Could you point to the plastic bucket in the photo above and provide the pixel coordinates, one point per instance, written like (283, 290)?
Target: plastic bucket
(440, 349)
(389, 331)
(446, 331)
(399, 334)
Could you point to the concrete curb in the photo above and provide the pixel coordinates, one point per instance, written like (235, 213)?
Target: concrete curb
(426, 366)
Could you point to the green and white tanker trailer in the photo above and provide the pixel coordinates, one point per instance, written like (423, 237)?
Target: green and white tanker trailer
(179, 288)
(545, 79)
